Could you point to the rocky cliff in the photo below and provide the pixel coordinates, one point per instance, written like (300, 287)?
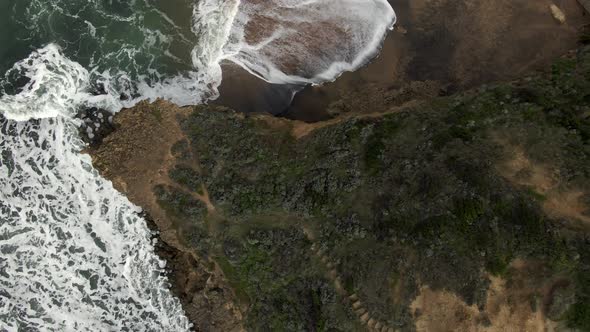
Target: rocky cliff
(467, 212)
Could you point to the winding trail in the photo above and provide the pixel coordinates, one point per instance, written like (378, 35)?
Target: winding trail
(364, 315)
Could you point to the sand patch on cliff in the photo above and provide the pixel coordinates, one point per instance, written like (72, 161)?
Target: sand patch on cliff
(559, 200)
(568, 204)
(512, 305)
(521, 170)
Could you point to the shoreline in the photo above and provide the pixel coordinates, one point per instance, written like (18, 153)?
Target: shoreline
(446, 180)
(368, 90)
(135, 162)
(432, 51)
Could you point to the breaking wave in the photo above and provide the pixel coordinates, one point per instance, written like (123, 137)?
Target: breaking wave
(307, 41)
(75, 254)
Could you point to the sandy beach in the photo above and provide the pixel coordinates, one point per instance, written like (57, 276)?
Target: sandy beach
(437, 47)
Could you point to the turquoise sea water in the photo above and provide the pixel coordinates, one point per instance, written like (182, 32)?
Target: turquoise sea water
(119, 37)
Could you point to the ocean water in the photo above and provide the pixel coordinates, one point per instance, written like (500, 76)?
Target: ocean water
(74, 254)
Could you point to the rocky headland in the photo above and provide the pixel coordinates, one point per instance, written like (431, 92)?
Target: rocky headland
(462, 212)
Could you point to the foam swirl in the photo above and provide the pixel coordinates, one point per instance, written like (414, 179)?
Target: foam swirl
(307, 41)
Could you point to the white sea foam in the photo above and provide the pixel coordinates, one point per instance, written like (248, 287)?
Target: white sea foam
(56, 86)
(75, 256)
(307, 41)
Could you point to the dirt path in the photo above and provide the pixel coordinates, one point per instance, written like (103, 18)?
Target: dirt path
(364, 315)
(560, 200)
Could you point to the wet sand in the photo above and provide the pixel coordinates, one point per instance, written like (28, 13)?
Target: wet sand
(244, 92)
(438, 47)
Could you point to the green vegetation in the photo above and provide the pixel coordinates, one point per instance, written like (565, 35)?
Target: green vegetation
(578, 316)
(409, 198)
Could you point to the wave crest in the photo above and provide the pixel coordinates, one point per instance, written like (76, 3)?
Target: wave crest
(307, 41)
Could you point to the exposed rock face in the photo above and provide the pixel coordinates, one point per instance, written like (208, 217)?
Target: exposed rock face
(441, 211)
(96, 125)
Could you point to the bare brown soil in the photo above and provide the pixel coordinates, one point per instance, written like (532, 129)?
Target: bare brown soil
(207, 300)
(514, 304)
(560, 200)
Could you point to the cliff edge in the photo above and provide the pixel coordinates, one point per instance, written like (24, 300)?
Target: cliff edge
(467, 212)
